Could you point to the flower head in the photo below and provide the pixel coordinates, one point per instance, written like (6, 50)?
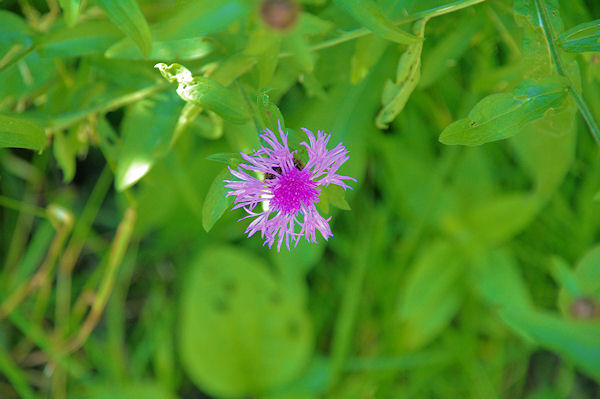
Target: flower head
(289, 191)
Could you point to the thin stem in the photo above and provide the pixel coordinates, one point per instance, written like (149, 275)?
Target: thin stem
(430, 13)
(586, 113)
(22, 207)
(115, 258)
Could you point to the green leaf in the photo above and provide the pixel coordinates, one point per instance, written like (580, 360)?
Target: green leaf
(169, 50)
(21, 133)
(498, 219)
(500, 116)
(71, 10)
(431, 295)
(147, 130)
(241, 333)
(581, 38)
(367, 52)
(216, 201)
(65, 155)
(264, 45)
(86, 38)
(368, 14)
(498, 280)
(229, 158)
(128, 17)
(334, 195)
(269, 115)
(581, 282)
(395, 95)
(449, 50)
(206, 93)
(577, 341)
(16, 37)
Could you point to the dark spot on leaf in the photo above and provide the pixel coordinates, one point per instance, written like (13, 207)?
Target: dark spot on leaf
(229, 286)
(275, 298)
(219, 305)
(293, 328)
(473, 123)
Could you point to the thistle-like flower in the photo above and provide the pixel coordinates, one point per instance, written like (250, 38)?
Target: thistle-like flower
(289, 191)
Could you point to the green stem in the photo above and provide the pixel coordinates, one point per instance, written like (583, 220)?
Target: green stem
(15, 376)
(586, 113)
(22, 207)
(429, 13)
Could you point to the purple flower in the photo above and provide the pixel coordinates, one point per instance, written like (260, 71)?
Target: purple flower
(290, 190)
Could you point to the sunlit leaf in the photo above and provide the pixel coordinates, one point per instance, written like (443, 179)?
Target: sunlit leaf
(169, 50)
(71, 10)
(18, 132)
(206, 93)
(86, 38)
(128, 17)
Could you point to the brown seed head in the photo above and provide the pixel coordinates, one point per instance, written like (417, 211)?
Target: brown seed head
(279, 14)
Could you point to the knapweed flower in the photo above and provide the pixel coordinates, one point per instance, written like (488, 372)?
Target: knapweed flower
(289, 191)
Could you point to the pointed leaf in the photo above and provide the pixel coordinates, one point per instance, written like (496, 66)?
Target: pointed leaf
(581, 38)
(128, 17)
(500, 116)
(216, 201)
(368, 14)
(21, 133)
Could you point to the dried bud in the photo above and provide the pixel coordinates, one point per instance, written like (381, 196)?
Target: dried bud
(583, 308)
(279, 14)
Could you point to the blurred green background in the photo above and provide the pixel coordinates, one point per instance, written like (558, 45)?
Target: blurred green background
(468, 265)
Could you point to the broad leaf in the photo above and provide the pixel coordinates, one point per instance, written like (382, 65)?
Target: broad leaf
(241, 333)
(17, 132)
(500, 116)
(581, 38)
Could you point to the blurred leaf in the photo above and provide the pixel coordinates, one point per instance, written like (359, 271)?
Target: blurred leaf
(300, 50)
(65, 155)
(71, 10)
(264, 46)
(17, 132)
(230, 158)
(86, 38)
(500, 116)
(498, 280)
(498, 219)
(581, 38)
(171, 50)
(581, 282)
(128, 390)
(240, 333)
(206, 93)
(233, 67)
(216, 201)
(198, 18)
(449, 49)
(431, 295)
(128, 17)
(577, 341)
(368, 14)
(395, 95)
(368, 50)
(14, 31)
(146, 130)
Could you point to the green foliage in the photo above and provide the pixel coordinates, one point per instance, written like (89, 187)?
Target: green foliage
(464, 261)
